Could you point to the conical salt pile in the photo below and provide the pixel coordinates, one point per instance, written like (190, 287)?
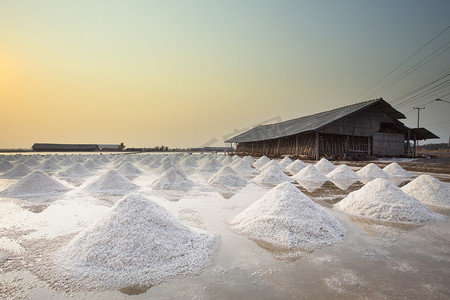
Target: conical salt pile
(429, 191)
(227, 177)
(272, 176)
(91, 165)
(17, 172)
(261, 161)
(343, 177)
(31, 162)
(286, 161)
(138, 243)
(325, 165)
(5, 166)
(210, 165)
(226, 160)
(128, 169)
(35, 183)
(249, 159)
(372, 171)
(77, 170)
(189, 162)
(65, 162)
(287, 219)
(244, 168)
(272, 163)
(173, 179)
(395, 170)
(296, 166)
(310, 178)
(49, 166)
(381, 200)
(112, 182)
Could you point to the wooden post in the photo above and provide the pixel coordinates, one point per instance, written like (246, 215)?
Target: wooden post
(317, 146)
(264, 147)
(415, 145)
(278, 147)
(368, 146)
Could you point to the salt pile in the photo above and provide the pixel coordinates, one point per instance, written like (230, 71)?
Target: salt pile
(128, 169)
(35, 183)
(91, 165)
(381, 200)
(249, 159)
(112, 182)
(77, 170)
(429, 191)
(287, 219)
(325, 165)
(173, 179)
(226, 160)
(310, 178)
(5, 166)
(49, 166)
(273, 176)
(65, 162)
(372, 171)
(286, 161)
(210, 165)
(227, 177)
(272, 163)
(17, 172)
(296, 166)
(395, 170)
(138, 243)
(31, 162)
(343, 177)
(261, 161)
(244, 168)
(188, 163)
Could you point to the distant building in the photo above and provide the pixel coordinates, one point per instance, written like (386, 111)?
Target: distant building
(363, 129)
(46, 147)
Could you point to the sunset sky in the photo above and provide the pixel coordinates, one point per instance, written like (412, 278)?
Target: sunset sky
(181, 73)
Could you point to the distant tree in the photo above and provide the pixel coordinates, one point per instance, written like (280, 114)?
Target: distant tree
(122, 146)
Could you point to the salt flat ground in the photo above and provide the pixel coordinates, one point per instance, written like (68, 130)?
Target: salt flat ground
(376, 261)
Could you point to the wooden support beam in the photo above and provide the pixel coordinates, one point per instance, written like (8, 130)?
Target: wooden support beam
(317, 146)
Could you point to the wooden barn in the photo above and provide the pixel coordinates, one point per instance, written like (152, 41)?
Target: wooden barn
(48, 147)
(363, 129)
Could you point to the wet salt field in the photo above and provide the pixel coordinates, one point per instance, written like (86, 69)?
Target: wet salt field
(381, 259)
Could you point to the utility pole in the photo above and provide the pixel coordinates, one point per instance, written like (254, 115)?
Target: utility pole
(418, 114)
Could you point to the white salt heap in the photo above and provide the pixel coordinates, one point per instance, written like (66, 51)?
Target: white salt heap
(429, 191)
(343, 177)
(287, 219)
(325, 165)
(244, 168)
(112, 182)
(65, 162)
(272, 176)
(19, 171)
(138, 243)
(5, 166)
(49, 166)
(381, 200)
(77, 170)
(261, 162)
(272, 163)
(91, 165)
(31, 162)
(372, 171)
(128, 169)
(226, 160)
(310, 178)
(189, 163)
(35, 184)
(173, 179)
(286, 161)
(209, 165)
(395, 170)
(296, 166)
(227, 177)
(249, 159)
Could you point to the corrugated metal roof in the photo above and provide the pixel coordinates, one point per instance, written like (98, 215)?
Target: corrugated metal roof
(45, 146)
(311, 123)
(422, 134)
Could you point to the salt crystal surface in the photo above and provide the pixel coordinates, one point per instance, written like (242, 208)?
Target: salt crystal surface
(173, 179)
(77, 170)
(395, 170)
(188, 163)
(112, 182)
(48, 165)
(138, 243)
(5, 166)
(244, 168)
(34, 184)
(381, 200)
(91, 165)
(210, 165)
(261, 161)
(31, 162)
(249, 159)
(286, 161)
(310, 173)
(287, 219)
(273, 176)
(65, 162)
(227, 177)
(429, 191)
(296, 166)
(343, 177)
(19, 171)
(128, 169)
(272, 163)
(372, 171)
(325, 165)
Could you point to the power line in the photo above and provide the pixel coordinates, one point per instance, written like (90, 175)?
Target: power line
(411, 56)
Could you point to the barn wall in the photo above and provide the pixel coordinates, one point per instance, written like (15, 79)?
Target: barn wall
(388, 144)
